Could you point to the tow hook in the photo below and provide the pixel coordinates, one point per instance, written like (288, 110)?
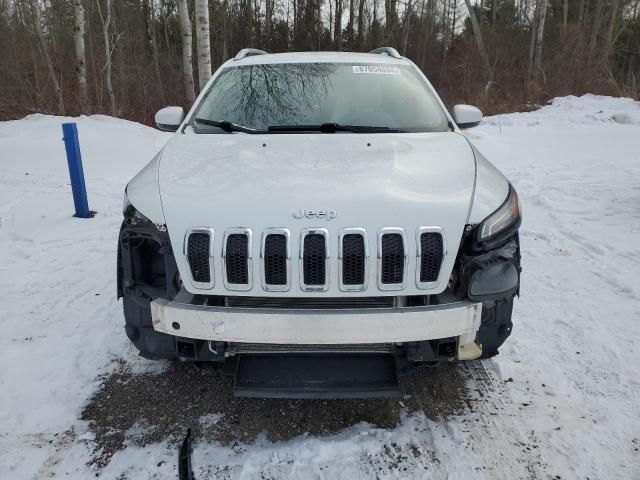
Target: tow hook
(184, 459)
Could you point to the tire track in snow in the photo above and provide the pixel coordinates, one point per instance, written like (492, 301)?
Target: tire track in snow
(495, 427)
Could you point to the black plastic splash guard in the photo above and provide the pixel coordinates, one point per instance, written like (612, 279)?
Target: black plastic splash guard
(316, 376)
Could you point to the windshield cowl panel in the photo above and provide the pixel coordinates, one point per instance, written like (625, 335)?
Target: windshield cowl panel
(319, 97)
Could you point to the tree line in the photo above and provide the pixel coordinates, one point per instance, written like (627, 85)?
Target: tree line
(127, 58)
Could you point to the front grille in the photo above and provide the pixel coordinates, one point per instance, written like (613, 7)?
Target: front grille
(198, 247)
(353, 259)
(392, 256)
(237, 258)
(338, 303)
(275, 259)
(314, 260)
(431, 253)
(315, 266)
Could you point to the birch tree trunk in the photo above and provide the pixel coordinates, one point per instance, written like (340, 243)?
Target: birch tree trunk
(37, 26)
(106, 22)
(203, 42)
(187, 50)
(81, 59)
(477, 33)
(537, 64)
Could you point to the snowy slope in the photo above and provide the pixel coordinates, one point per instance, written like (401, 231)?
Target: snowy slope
(560, 400)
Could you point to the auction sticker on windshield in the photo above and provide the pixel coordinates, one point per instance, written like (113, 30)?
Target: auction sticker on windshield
(379, 69)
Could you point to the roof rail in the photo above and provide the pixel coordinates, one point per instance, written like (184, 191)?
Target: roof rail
(248, 52)
(392, 52)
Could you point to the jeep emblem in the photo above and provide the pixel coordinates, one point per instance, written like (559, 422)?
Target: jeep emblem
(313, 214)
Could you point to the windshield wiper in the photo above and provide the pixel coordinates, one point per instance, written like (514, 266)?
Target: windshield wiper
(332, 128)
(226, 126)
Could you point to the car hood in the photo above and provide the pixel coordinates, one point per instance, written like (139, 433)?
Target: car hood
(370, 181)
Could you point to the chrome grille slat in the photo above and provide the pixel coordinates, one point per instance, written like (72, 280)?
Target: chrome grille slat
(276, 260)
(353, 261)
(392, 259)
(431, 252)
(198, 249)
(314, 260)
(236, 259)
(315, 253)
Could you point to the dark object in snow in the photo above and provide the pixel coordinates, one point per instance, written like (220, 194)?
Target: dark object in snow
(184, 459)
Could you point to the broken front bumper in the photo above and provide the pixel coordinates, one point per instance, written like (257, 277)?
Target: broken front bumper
(460, 320)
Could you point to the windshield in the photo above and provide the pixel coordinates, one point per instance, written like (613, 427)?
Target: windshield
(277, 96)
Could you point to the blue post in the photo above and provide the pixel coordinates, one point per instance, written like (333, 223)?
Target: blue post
(74, 159)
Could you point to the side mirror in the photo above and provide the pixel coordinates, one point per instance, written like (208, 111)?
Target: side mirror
(168, 119)
(466, 116)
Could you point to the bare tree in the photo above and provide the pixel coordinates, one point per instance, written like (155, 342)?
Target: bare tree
(106, 21)
(537, 64)
(81, 60)
(148, 9)
(361, 32)
(477, 33)
(268, 13)
(595, 30)
(338, 27)
(203, 42)
(532, 41)
(391, 20)
(611, 36)
(37, 26)
(350, 25)
(584, 45)
(187, 47)
(406, 26)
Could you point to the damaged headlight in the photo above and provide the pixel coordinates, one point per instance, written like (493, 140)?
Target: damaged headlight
(125, 201)
(133, 216)
(502, 223)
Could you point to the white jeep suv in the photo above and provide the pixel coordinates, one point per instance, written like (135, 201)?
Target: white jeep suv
(318, 225)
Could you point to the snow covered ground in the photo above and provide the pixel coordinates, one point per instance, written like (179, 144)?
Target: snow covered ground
(560, 401)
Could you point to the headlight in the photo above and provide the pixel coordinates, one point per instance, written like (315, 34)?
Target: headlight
(505, 220)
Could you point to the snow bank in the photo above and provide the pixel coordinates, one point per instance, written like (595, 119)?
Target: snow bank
(61, 324)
